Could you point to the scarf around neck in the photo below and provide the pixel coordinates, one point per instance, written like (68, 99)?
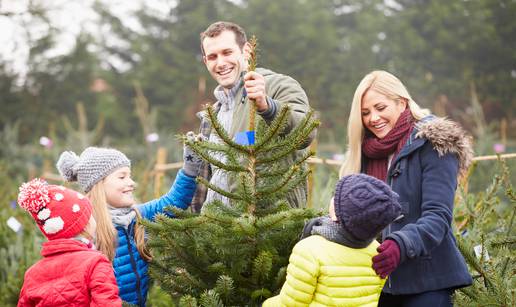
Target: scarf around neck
(378, 150)
(332, 231)
(122, 216)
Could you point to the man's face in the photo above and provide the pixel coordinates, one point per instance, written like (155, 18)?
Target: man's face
(224, 59)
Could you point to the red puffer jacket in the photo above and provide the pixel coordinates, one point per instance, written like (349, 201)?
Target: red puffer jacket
(70, 274)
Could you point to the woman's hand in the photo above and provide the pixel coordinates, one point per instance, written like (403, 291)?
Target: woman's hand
(388, 258)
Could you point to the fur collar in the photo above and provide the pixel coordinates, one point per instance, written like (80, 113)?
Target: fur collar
(447, 136)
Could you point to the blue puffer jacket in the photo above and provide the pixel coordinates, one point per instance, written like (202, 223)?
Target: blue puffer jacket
(130, 269)
(425, 176)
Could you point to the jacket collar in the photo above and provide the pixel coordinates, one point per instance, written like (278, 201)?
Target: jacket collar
(59, 246)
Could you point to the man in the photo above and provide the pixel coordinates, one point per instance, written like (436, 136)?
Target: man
(225, 53)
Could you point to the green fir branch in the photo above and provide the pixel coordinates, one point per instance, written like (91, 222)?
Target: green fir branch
(276, 220)
(260, 294)
(291, 180)
(280, 277)
(222, 133)
(192, 260)
(246, 225)
(207, 145)
(284, 182)
(277, 125)
(247, 187)
(225, 287)
(275, 156)
(209, 158)
(218, 207)
(471, 259)
(229, 195)
(262, 266)
(508, 241)
(264, 173)
(210, 298)
(301, 133)
(187, 301)
(218, 217)
(179, 213)
(288, 147)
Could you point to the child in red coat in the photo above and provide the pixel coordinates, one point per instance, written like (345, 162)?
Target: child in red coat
(72, 272)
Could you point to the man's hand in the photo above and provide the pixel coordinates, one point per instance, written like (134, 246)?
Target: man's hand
(254, 84)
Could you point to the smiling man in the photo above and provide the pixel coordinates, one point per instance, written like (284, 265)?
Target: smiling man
(226, 51)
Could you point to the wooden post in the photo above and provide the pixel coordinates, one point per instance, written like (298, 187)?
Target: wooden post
(503, 131)
(161, 158)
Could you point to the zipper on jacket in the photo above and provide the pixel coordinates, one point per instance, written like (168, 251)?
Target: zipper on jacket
(135, 268)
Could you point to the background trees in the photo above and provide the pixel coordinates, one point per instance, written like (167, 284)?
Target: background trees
(439, 48)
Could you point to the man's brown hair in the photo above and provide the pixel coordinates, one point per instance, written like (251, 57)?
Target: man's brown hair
(215, 29)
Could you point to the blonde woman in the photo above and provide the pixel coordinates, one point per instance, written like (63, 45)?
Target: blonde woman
(420, 156)
(105, 175)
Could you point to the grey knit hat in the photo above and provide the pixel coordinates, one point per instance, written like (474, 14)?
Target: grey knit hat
(364, 206)
(93, 165)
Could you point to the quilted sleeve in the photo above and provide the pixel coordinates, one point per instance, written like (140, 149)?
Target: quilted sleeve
(102, 285)
(302, 274)
(439, 183)
(23, 300)
(284, 90)
(180, 196)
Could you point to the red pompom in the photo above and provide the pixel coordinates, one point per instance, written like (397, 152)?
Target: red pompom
(34, 195)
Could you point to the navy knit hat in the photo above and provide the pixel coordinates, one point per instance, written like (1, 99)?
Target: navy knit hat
(364, 206)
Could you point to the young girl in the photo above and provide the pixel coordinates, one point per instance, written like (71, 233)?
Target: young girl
(71, 272)
(105, 175)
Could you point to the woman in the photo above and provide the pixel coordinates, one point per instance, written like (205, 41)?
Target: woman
(419, 156)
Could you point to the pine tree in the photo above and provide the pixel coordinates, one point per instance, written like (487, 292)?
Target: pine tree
(236, 255)
(487, 220)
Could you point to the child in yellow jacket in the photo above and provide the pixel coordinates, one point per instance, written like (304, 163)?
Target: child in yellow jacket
(333, 265)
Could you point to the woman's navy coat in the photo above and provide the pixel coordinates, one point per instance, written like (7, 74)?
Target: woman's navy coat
(425, 176)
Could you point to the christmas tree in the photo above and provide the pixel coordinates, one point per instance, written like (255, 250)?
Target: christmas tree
(237, 254)
(488, 242)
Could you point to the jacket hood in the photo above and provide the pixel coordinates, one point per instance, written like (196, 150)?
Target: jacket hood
(447, 136)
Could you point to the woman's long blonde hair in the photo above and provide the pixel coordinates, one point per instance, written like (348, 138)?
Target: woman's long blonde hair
(383, 83)
(106, 238)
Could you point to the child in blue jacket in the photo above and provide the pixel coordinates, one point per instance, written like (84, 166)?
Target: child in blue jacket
(104, 174)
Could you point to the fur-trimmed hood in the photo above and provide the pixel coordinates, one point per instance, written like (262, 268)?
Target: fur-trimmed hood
(447, 136)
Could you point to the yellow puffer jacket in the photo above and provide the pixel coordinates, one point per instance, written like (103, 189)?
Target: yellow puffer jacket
(324, 273)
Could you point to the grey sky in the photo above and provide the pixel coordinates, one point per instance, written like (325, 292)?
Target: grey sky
(17, 27)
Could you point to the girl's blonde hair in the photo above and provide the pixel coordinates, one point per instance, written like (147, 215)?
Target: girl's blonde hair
(383, 83)
(106, 238)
